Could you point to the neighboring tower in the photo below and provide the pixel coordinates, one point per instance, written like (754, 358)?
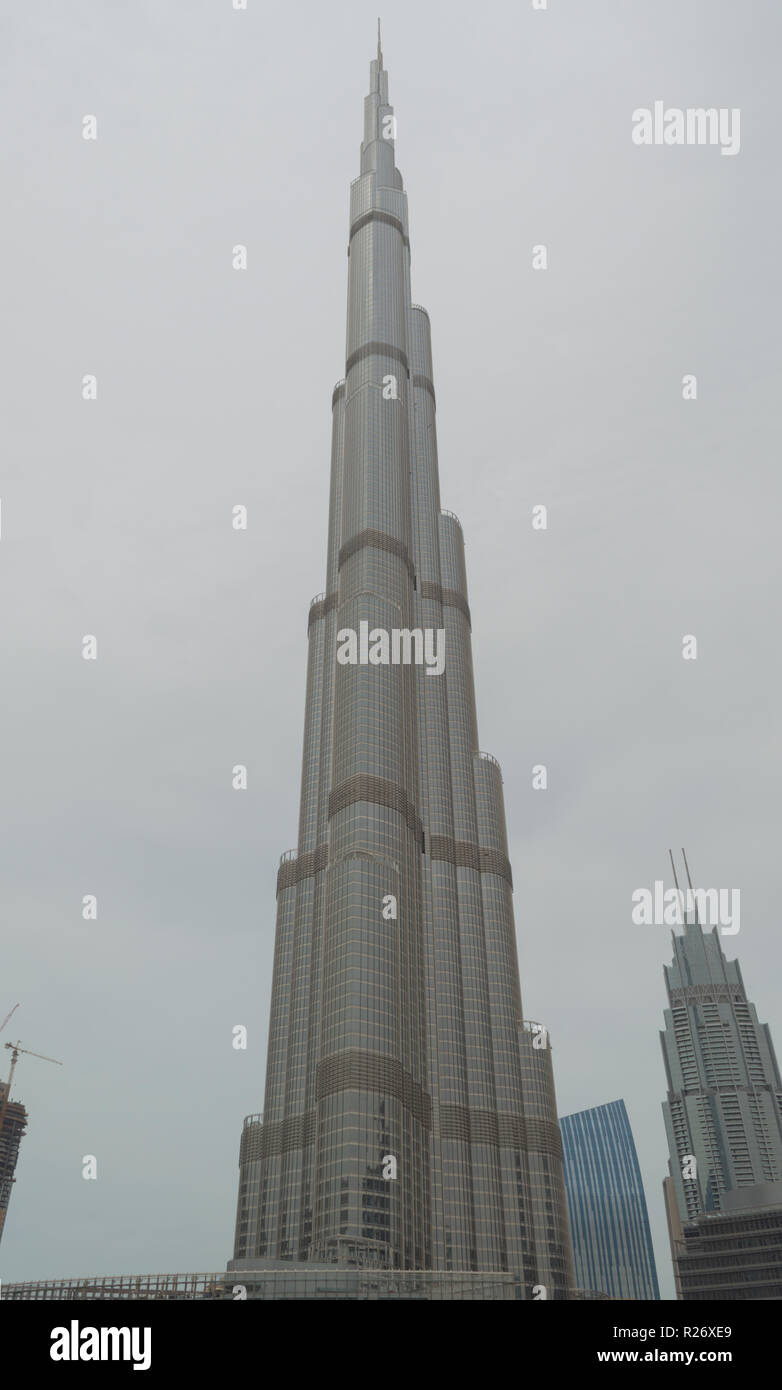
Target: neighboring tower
(723, 1118)
(724, 1105)
(396, 1028)
(13, 1123)
(609, 1224)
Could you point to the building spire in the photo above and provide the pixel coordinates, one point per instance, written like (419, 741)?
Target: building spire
(379, 49)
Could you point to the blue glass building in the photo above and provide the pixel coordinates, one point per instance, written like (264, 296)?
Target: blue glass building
(609, 1224)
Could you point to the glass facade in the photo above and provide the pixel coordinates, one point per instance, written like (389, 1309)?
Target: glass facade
(609, 1223)
(398, 1037)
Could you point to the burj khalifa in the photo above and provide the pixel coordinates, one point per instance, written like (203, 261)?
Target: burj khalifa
(409, 1120)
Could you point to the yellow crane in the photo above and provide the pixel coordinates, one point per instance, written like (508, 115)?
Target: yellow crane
(16, 1049)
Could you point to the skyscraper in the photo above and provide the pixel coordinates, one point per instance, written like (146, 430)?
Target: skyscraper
(609, 1223)
(13, 1123)
(724, 1104)
(723, 1118)
(409, 1119)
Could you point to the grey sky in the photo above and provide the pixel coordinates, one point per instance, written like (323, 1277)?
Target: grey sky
(214, 386)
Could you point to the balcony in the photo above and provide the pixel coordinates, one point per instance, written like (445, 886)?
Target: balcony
(489, 758)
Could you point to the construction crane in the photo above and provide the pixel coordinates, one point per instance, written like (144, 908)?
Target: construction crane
(16, 1049)
(5, 1020)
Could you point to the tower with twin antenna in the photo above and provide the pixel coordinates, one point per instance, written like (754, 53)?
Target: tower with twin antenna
(724, 1104)
(409, 1119)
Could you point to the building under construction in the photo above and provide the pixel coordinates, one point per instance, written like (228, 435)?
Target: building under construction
(14, 1123)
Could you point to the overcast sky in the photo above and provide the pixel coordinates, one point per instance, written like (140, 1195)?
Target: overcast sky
(561, 387)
